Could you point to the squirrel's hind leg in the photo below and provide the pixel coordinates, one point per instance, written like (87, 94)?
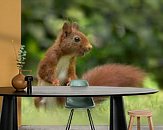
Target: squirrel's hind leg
(44, 101)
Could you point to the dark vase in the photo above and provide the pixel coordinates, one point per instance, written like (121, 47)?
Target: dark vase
(18, 82)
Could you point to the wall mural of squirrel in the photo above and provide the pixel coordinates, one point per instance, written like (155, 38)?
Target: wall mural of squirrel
(58, 67)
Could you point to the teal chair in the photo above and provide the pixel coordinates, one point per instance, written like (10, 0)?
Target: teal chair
(79, 102)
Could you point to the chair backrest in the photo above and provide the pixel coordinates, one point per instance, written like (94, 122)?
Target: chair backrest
(79, 83)
(79, 102)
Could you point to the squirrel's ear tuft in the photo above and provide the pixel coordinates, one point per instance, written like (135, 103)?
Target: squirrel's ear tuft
(75, 26)
(67, 28)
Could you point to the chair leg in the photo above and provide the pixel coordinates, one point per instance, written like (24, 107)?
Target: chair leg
(138, 123)
(90, 120)
(150, 123)
(131, 123)
(70, 119)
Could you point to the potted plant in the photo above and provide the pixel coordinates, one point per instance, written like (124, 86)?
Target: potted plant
(18, 82)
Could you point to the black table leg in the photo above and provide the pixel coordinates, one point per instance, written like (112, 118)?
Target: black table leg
(9, 113)
(117, 114)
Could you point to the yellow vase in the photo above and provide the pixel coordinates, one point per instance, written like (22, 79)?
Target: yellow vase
(18, 82)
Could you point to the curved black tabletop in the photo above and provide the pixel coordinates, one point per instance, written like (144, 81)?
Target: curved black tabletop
(62, 91)
(117, 114)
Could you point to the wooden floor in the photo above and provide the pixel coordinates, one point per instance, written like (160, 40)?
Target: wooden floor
(79, 128)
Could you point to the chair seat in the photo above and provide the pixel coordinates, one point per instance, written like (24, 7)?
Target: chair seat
(79, 102)
(140, 113)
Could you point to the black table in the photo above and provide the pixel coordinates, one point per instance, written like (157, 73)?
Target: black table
(117, 113)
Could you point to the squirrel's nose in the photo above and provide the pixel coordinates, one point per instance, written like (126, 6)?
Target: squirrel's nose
(88, 47)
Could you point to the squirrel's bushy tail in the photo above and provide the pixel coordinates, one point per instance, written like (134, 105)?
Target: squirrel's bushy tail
(114, 75)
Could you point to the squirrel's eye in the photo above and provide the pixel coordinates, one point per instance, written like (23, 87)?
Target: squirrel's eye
(77, 39)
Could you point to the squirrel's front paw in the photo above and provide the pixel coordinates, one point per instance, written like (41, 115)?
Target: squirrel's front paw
(69, 80)
(56, 82)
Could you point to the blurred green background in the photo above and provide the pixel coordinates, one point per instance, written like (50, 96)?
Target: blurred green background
(127, 32)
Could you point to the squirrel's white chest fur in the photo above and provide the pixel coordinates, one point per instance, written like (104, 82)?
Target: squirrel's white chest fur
(61, 71)
(62, 68)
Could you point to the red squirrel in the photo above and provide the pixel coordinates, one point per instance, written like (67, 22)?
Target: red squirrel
(58, 67)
